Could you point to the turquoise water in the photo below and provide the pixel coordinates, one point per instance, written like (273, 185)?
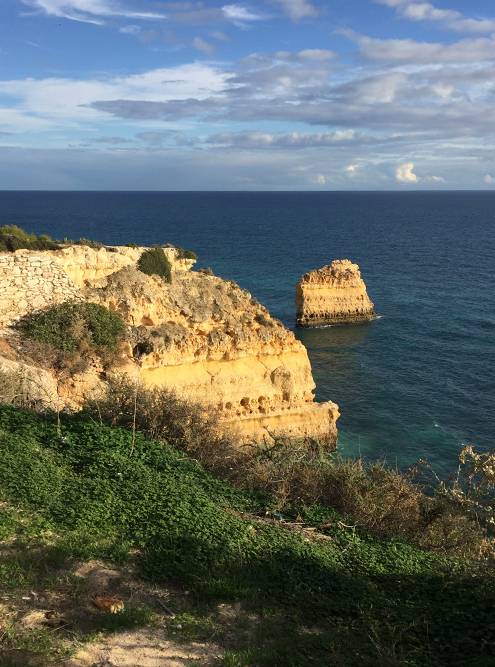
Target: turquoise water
(416, 383)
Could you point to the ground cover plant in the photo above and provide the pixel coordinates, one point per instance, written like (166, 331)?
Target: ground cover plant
(332, 595)
(454, 518)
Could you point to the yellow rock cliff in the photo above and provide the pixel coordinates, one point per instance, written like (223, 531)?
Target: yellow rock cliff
(201, 336)
(334, 294)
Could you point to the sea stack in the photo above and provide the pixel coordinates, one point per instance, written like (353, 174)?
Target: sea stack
(334, 294)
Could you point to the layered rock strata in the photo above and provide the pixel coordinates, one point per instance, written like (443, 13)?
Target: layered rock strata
(334, 294)
(201, 336)
(213, 343)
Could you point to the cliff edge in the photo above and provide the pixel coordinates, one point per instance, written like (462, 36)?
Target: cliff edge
(201, 336)
(334, 294)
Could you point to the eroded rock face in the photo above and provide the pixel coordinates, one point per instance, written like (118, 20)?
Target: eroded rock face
(213, 343)
(334, 294)
(201, 336)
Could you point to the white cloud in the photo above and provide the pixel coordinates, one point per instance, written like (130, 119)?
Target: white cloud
(405, 173)
(433, 179)
(258, 140)
(451, 19)
(352, 169)
(56, 100)
(90, 11)
(202, 45)
(411, 52)
(298, 9)
(240, 15)
(320, 179)
(316, 54)
(489, 179)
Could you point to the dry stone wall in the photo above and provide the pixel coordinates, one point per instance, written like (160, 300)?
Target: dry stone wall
(31, 281)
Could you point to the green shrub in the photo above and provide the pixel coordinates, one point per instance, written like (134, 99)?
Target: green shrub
(65, 326)
(182, 253)
(96, 245)
(160, 415)
(14, 238)
(154, 262)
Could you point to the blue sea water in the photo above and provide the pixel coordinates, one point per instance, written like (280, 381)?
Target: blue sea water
(416, 383)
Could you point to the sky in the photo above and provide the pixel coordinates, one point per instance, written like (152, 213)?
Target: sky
(261, 95)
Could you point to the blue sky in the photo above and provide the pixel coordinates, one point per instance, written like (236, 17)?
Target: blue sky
(272, 94)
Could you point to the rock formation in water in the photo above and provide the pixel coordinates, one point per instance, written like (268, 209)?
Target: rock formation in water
(334, 294)
(201, 336)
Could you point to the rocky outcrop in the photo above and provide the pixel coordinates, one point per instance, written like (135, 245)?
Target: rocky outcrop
(88, 265)
(213, 343)
(201, 336)
(334, 294)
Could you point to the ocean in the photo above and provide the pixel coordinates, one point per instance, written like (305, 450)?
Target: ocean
(417, 383)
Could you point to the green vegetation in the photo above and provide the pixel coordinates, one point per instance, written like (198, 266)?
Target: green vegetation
(65, 326)
(14, 238)
(182, 253)
(335, 595)
(154, 262)
(383, 501)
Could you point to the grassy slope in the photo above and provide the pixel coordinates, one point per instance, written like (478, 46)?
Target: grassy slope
(344, 600)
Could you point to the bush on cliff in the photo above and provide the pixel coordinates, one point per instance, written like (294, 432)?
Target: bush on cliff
(65, 326)
(65, 337)
(154, 262)
(14, 238)
(183, 253)
(314, 599)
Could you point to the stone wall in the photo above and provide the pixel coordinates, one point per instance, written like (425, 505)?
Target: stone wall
(31, 281)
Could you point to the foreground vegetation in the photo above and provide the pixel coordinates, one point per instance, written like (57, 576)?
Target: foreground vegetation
(334, 595)
(452, 518)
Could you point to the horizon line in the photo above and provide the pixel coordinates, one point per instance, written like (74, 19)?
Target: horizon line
(278, 191)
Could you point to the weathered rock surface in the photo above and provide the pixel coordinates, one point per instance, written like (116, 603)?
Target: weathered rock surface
(334, 294)
(87, 265)
(212, 342)
(201, 336)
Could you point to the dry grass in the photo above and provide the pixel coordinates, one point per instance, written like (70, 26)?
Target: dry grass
(386, 502)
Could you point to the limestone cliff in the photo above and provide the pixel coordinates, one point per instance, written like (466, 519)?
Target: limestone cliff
(201, 336)
(213, 343)
(334, 294)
